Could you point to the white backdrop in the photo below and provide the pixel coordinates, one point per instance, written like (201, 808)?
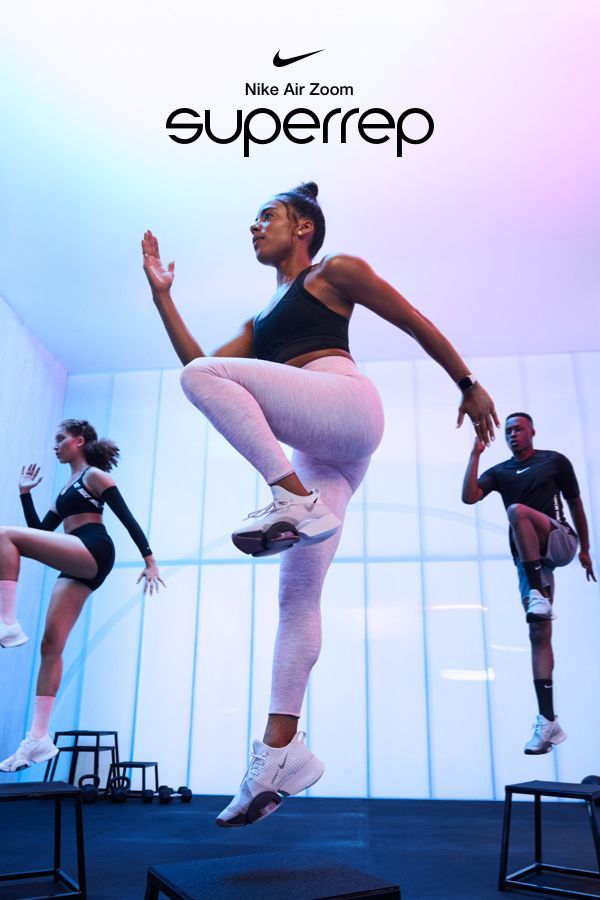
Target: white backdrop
(425, 667)
(32, 391)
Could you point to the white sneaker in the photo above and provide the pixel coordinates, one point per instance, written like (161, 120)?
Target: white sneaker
(273, 773)
(287, 520)
(538, 608)
(12, 635)
(545, 735)
(30, 751)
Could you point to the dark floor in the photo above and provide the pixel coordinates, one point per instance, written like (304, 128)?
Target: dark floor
(432, 849)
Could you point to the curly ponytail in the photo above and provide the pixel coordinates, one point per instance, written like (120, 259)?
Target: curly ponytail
(302, 201)
(99, 452)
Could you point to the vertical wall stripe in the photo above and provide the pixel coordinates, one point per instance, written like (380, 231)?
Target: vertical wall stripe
(422, 568)
(198, 601)
(486, 660)
(143, 596)
(87, 610)
(365, 505)
(252, 625)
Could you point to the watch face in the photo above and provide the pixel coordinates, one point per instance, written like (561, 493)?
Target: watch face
(466, 383)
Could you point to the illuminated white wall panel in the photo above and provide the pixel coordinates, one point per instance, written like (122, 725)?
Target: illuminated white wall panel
(425, 677)
(399, 761)
(32, 388)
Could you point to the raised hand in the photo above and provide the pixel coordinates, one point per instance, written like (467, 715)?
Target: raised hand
(479, 406)
(29, 478)
(160, 278)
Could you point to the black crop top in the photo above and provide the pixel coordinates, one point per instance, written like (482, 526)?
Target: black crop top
(298, 324)
(77, 499)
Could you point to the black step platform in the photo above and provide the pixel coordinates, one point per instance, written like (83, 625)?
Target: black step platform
(293, 875)
(561, 881)
(56, 791)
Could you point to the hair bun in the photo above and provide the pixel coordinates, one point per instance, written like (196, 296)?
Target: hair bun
(310, 188)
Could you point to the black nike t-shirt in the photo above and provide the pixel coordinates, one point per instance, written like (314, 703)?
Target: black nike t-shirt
(537, 482)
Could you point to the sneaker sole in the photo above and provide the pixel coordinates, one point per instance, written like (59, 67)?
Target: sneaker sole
(279, 537)
(256, 811)
(293, 784)
(534, 617)
(313, 531)
(547, 746)
(40, 758)
(8, 643)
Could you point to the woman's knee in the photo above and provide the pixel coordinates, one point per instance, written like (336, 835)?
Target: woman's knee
(193, 375)
(52, 645)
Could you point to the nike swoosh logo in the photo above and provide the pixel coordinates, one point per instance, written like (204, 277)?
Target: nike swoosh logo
(520, 471)
(279, 766)
(279, 62)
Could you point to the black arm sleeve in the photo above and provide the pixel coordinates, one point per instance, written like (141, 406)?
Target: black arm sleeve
(50, 522)
(112, 497)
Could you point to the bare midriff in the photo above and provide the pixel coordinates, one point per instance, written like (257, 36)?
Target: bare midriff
(305, 358)
(76, 521)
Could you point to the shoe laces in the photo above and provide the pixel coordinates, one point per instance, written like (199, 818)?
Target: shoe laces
(257, 763)
(27, 742)
(538, 727)
(271, 507)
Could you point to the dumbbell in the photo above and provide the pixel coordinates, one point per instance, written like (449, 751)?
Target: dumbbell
(147, 796)
(185, 794)
(89, 785)
(591, 779)
(118, 788)
(165, 794)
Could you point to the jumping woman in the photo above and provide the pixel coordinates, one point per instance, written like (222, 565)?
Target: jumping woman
(288, 376)
(85, 554)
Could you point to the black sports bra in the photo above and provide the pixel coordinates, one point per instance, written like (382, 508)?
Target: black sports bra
(298, 324)
(77, 499)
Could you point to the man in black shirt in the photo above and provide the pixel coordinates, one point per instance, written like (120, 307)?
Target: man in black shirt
(531, 484)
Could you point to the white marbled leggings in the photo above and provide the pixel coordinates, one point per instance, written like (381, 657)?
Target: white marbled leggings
(332, 417)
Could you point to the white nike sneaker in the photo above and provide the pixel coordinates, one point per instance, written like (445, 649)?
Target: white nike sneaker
(284, 522)
(30, 751)
(12, 635)
(538, 608)
(273, 773)
(545, 735)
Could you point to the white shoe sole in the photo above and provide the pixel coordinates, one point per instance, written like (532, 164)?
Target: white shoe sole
(296, 783)
(280, 536)
(14, 641)
(548, 746)
(38, 758)
(313, 531)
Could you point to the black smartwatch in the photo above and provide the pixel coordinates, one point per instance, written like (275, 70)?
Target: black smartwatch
(466, 383)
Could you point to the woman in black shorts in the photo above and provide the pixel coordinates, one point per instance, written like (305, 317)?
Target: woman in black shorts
(84, 554)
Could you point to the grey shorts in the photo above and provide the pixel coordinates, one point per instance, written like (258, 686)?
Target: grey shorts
(561, 549)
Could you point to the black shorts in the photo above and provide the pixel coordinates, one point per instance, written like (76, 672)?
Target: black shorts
(95, 537)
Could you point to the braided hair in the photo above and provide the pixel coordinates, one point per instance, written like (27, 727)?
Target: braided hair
(301, 201)
(98, 452)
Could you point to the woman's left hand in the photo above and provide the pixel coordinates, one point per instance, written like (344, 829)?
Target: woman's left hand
(152, 577)
(479, 406)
